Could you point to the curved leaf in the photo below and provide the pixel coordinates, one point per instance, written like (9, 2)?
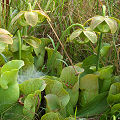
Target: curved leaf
(3, 31)
(89, 82)
(30, 104)
(6, 39)
(68, 77)
(33, 41)
(14, 64)
(41, 13)
(105, 75)
(2, 46)
(89, 61)
(105, 49)
(96, 21)
(55, 87)
(53, 102)
(71, 84)
(89, 88)
(115, 108)
(22, 21)
(75, 34)
(53, 64)
(112, 24)
(103, 27)
(15, 112)
(31, 85)
(114, 93)
(104, 24)
(9, 89)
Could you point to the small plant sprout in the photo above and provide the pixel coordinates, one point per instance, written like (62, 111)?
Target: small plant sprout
(83, 35)
(102, 24)
(30, 17)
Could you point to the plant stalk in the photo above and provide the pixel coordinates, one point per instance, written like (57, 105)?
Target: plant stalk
(98, 54)
(20, 43)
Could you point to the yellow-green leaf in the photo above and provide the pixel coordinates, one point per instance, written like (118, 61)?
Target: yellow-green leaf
(75, 34)
(91, 36)
(31, 18)
(3, 31)
(112, 24)
(96, 21)
(40, 12)
(6, 39)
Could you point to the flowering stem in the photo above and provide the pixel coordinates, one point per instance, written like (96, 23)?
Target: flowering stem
(98, 54)
(19, 39)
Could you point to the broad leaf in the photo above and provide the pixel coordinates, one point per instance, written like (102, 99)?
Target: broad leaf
(40, 53)
(54, 87)
(83, 36)
(103, 27)
(15, 46)
(27, 57)
(41, 48)
(26, 112)
(15, 112)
